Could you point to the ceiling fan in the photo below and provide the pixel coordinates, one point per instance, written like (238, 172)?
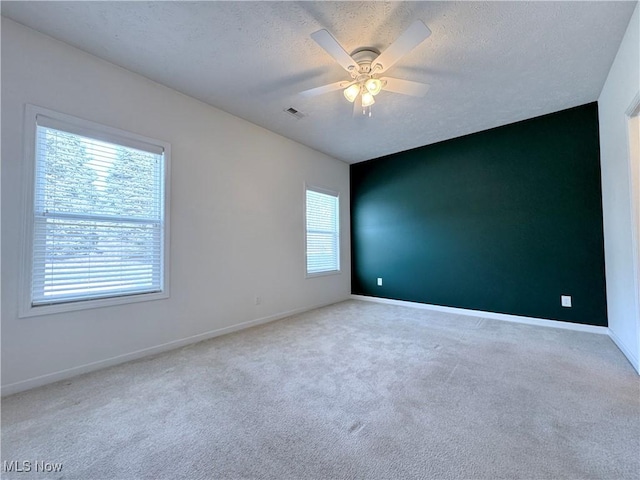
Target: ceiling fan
(365, 66)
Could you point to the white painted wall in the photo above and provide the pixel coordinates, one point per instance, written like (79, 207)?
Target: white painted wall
(620, 88)
(237, 222)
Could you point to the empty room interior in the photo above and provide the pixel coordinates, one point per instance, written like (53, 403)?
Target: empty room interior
(324, 240)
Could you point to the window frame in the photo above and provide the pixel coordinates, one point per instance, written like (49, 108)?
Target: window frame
(99, 132)
(325, 191)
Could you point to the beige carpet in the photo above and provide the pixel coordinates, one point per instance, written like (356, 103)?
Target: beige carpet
(353, 391)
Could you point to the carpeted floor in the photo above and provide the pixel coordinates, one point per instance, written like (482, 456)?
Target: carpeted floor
(357, 390)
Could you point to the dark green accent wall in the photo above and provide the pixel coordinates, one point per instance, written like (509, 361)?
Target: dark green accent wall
(506, 220)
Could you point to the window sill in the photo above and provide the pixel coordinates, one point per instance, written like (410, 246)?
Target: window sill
(35, 311)
(323, 274)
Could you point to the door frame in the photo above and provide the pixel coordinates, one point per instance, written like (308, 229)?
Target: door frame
(633, 118)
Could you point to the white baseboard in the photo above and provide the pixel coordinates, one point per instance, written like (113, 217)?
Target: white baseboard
(41, 380)
(541, 322)
(633, 359)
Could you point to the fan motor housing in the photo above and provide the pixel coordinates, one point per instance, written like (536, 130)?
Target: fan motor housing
(363, 57)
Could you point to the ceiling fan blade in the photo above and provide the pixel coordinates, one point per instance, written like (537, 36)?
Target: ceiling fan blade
(332, 87)
(333, 48)
(411, 38)
(405, 87)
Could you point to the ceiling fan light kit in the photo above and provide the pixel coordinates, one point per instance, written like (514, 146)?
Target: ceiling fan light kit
(367, 99)
(373, 85)
(364, 65)
(365, 85)
(352, 92)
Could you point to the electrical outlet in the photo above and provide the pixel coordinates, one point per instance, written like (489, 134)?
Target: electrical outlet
(565, 300)
(379, 281)
(258, 300)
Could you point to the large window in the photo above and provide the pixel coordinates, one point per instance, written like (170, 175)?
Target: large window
(323, 232)
(97, 223)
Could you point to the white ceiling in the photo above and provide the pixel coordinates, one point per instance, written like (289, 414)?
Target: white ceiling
(488, 64)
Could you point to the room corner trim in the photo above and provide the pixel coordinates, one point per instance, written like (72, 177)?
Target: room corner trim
(633, 360)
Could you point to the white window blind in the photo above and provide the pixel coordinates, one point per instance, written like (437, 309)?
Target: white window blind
(323, 232)
(98, 217)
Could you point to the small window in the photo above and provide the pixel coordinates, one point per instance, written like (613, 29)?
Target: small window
(97, 220)
(323, 232)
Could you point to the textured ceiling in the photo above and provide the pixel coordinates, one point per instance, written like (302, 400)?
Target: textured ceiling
(488, 64)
